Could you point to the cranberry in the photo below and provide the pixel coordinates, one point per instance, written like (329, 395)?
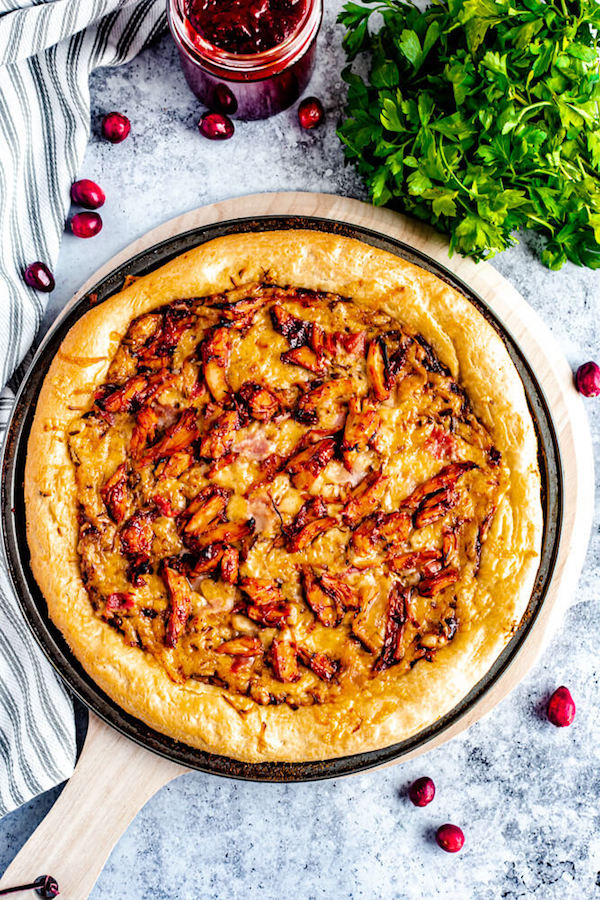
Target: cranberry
(587, 379)
(37, 275)
(450, 838)
(115, 127)
(310, 112)
(87, 193)
(561, 707)
(224, 100)
(216, 126)
(86, 224)
(422, 791)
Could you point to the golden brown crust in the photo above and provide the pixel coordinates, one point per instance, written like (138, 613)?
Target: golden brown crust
(392, 706)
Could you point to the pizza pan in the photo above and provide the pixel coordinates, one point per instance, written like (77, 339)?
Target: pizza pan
(32, 602)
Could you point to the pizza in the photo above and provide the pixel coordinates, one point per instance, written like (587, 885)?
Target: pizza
(283, 498)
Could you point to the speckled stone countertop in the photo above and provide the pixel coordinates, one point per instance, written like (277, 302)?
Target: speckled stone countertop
(526, 794)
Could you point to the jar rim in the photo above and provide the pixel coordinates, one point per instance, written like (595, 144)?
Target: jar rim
(250, 63)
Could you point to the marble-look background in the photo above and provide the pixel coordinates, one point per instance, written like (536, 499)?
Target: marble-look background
(526, 794)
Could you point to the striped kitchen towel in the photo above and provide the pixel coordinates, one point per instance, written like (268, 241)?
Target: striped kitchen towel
(47, 50)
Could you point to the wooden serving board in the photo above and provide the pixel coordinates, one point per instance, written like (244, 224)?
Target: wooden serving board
(114, 777)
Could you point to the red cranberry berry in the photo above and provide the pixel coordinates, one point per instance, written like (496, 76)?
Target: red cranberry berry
(310, 112)
(115, 127)
(587, 379)
(422, 791)
(37, 275)
(86, 224)
(561, 707)
(216, 126)
(224, 100)
(450, 838)
(87, 193)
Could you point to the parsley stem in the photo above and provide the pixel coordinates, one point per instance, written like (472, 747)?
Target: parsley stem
(528, 109)
(451, 172)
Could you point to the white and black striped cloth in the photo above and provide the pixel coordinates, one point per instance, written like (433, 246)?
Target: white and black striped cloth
(47, 50)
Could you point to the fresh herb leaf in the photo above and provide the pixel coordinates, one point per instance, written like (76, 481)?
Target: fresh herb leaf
(481, 117)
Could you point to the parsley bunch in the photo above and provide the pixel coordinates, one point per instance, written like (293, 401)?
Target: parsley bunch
(482, 118)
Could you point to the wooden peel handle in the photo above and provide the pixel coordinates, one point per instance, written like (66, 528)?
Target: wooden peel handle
(113, 779)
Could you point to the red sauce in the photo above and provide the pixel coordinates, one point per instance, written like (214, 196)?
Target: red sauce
(245, 26)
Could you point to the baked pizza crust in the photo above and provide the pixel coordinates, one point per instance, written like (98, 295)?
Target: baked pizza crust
(393, 706)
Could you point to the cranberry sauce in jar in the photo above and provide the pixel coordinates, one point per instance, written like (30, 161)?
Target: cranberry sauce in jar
(245, 26)
(246, 58)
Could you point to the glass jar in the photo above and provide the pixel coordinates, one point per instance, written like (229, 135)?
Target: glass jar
(247, 86)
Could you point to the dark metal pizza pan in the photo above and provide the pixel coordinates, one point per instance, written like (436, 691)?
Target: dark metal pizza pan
(33, 604)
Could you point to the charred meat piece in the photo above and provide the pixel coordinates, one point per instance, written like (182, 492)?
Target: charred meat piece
(241, 312)
(306, 358)
(310, 532)
(366, 536)
(269, 467)
(322, 665)
(435, 507)
(397, 615)
(398, 359)
(341, 592)
(294, 330)
(365, 497)
(136, 391)
(378, 369)
(326, 396)
(206, 560)
(283, 657)
(260, 402)
(261, 592)
(164, 506)
(207, 505)
(432, 585)
(312, 509)
(325, 605)
(223, 533)
(450, 535)
(297, 540)
(267, 605)
(394, 528)
(137, 535)
(241, 646)
(217, 442)
(180, 604)
(221, 463)
(310, 521)
(427, 357)
(230, 565)
(368, 623)
(389, 529)
(176, 438)
(114, 494)
(162, 344)
(305, 467)
(144, 430)
(426, 561)
(174, 466)
(215, 353)
(141, 330)
(362, 424)
(446, 477)
(352, 342)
